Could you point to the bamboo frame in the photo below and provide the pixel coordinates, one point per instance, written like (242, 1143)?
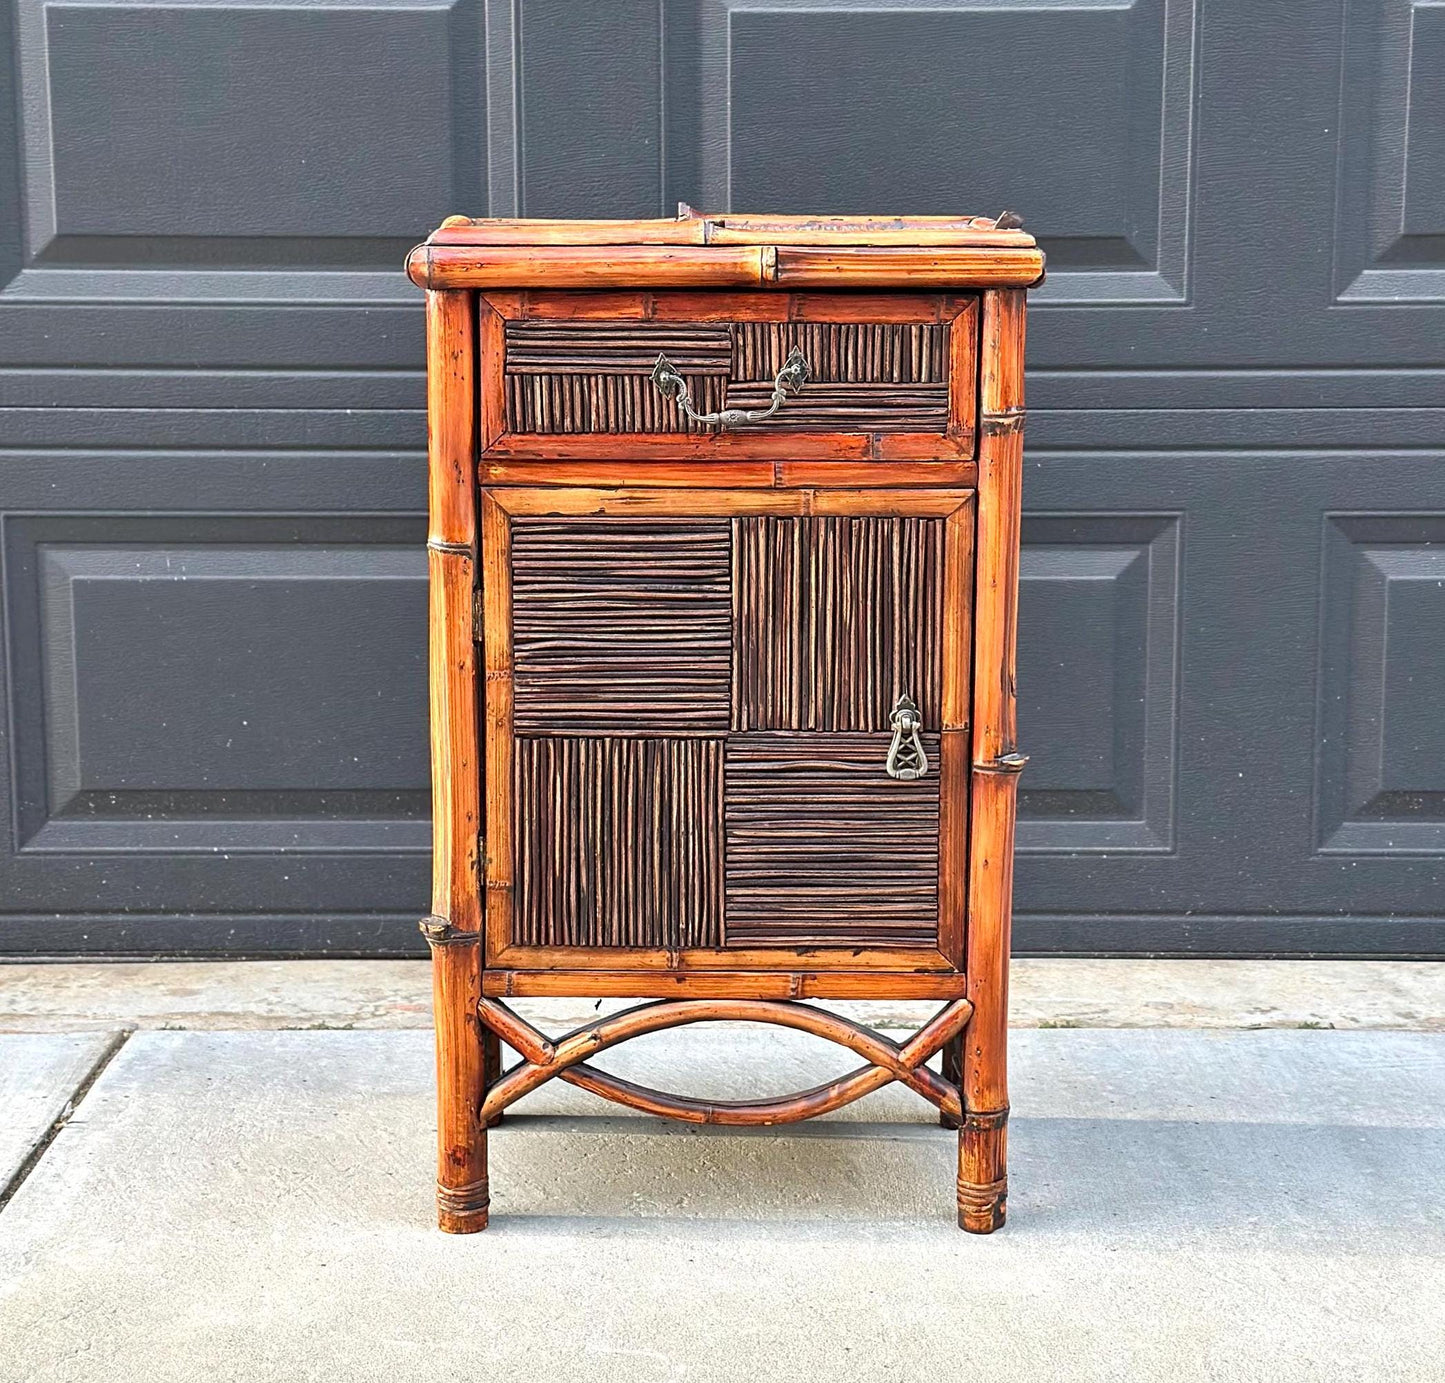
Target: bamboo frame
(691, 228)
(791, 981)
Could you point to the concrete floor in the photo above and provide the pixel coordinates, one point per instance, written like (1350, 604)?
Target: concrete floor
(1186, 1205)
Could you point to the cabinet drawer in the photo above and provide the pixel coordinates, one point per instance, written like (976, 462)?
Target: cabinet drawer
(862, 378)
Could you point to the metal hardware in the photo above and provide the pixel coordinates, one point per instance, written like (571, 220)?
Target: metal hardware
(1002, 424)
(795, 373)
(439, 932)
(1003, 764)
(906, 759)
(1009, 220)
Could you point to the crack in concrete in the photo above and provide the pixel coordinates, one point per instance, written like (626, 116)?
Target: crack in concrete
(43, 1145)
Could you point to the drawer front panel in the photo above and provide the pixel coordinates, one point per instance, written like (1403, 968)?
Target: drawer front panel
(570, 376)
(692, 713)
(580, 377)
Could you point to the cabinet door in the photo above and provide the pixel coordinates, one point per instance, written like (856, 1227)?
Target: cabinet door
(692, 699)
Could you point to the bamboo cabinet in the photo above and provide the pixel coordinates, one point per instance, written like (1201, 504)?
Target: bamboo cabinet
(724, 525)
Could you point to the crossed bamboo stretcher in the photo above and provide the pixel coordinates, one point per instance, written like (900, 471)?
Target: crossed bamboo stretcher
(565, 1058)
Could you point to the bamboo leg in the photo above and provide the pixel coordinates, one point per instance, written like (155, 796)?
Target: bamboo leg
(454, 927)
(982, 1141)
(462, 1196)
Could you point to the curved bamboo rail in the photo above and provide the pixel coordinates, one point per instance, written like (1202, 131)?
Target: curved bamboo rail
(544, 1059)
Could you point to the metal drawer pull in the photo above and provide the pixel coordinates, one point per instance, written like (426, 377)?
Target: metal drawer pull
(906, 758)
(791, 378)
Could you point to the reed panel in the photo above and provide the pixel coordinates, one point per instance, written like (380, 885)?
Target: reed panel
(844, 352)
(619, 842)
(586, 403)
(824, 848)
(865, 376)
(833, 619)
(621, 626)
(568, 377)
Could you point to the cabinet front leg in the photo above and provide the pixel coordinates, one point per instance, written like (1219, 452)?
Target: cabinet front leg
(461, 1041)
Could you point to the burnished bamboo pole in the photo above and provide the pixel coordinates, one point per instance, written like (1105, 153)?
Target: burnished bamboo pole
(982, 1147)
(454, 928)
(569, 266)
(833, 267)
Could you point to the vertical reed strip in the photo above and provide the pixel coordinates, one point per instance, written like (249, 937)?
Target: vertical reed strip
(834, 617)
(619, 841)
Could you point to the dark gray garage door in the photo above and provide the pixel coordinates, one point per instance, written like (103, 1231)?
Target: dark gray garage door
(1233, 627)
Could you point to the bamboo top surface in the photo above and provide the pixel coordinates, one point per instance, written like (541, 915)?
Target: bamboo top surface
(728, 250)
(691, 227)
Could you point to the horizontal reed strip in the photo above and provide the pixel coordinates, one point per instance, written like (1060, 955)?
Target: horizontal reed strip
(568, 403)
(824, 848)
(621, 626)
(844, 352)
(834, 619)
(616, 347)
(849, 407)
(618, 842)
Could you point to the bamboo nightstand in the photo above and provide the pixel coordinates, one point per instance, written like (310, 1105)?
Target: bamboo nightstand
(724, 567)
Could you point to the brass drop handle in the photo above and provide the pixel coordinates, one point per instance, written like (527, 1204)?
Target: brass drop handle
(795, 373)
(906, 758)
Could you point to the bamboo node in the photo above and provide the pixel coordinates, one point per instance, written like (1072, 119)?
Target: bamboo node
(979, 1195)
(983, 1121)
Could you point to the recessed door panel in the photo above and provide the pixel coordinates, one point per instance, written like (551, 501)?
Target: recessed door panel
(719, 721)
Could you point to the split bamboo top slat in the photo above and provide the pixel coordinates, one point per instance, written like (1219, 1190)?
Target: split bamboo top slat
(731, 251)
